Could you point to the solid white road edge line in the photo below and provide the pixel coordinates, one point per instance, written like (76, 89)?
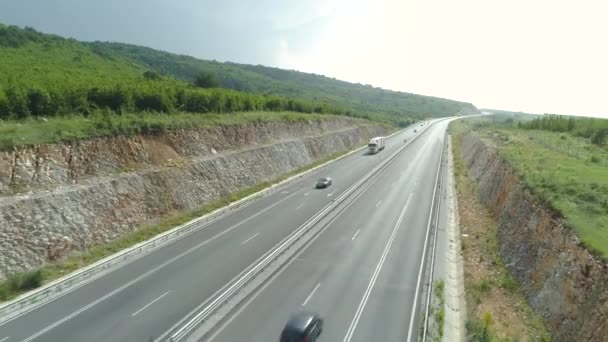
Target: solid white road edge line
(312, 293)
(150, 272)
(295, 258)
(372, 282)
(148, 305)
(221, 328)
(426, 239)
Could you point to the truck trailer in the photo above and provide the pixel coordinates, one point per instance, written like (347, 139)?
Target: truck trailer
(376, 144)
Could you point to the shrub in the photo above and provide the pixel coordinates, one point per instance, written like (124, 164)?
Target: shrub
(19, 283)
(38, 102)
(17, 102)
(4, 108)
(599, 137)
(158, 101)
(151, 75)
(477, 331)
(206, 80)
(483, 286)
(114, 98)
(508, 283)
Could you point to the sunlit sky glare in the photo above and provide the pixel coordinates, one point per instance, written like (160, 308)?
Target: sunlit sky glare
(539, 56)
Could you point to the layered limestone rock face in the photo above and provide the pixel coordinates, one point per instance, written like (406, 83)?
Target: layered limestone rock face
(60, 198)
(562, 281)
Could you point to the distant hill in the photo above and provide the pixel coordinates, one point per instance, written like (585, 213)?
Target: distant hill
(261, 79)
(43, 74)
(47, 75)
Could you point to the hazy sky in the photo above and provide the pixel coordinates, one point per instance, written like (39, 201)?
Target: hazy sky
(530, 55)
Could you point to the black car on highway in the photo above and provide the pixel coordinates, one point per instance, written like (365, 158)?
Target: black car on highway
(302, 327)
(324, 182)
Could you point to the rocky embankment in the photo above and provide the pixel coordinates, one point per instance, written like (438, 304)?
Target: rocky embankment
(59, 198)
(562, 281)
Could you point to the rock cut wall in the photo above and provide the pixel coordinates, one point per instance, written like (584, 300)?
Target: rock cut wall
(562, 281)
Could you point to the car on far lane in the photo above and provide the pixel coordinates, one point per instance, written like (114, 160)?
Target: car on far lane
(302, 327)
(323, 182)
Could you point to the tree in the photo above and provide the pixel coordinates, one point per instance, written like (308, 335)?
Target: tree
(151, 75)
(599, 137)
(17, 102)
(571, 124)
(206, 80)
(4, 108)
(38, 102)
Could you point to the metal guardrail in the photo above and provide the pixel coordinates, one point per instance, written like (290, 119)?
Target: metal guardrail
(62, 286)
(437, 210)
(183, 329)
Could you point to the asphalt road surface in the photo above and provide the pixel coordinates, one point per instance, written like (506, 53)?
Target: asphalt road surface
(360, 273)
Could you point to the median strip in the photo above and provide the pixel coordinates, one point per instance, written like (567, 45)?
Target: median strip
(213, 310)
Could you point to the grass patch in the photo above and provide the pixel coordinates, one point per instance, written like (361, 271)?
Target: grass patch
(480, 330)
(20, 283)
(496, 306)
(439, 290)
(570, 177)
(439, 311)
(508, 283)
(23, 282)
(106, 123)
(483, 286)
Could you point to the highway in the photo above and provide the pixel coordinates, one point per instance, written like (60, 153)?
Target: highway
(361, 273)
(145, 298)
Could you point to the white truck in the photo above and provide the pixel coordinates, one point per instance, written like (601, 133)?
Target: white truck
(376, 144)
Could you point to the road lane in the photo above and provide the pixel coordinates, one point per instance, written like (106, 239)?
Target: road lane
(214, 257)
(346, 266)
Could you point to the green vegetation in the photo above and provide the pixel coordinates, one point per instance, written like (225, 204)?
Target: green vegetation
(558, 159)
(20, 283)
(483, 286)
(480, 331)
(46, 75)
(596, 130)
(439, 312)
(483, 266)
(578, 189)
(106, 123)
(356, 99)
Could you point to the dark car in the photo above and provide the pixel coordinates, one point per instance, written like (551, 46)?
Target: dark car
(302, 327)
(324, 182)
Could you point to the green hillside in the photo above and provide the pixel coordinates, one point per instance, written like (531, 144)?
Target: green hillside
(47, 75)
(356, 98)
(44, 75)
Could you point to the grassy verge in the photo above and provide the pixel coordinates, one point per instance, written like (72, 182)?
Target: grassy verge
(437, 314)
(577, 188)
(497, 309)
(20, 283)
(565, 172)
(106, 123)
(439, 311)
